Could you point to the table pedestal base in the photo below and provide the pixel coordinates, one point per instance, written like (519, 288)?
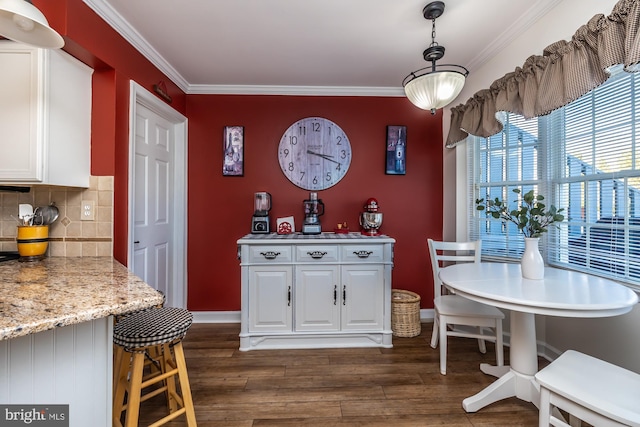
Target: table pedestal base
(518, 379)
(511, 384)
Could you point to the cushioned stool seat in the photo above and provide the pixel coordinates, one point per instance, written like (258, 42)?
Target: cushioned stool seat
(156, 335)
(152, 327)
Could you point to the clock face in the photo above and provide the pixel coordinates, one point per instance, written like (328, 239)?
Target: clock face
(314, 153)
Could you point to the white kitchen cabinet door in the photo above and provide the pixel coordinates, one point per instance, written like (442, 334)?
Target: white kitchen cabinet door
(270, 298)
(45, 117)
(363, 290)
(20, 150)
(317, 298)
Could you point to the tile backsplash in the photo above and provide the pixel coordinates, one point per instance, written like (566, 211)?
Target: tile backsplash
(68, 235)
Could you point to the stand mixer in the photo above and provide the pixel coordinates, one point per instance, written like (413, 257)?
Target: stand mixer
(313, 208)
(371, 220)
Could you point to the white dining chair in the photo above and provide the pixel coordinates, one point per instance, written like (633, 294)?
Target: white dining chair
(453, 311)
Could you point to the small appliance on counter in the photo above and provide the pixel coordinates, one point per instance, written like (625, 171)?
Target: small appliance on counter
(313, 208)
(262, 206)
(371, 219)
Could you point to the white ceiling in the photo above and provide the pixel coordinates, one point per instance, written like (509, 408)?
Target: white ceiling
(343, 47)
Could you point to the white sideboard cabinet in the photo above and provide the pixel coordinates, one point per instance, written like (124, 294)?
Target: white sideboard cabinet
(315, 291)
(45, 117)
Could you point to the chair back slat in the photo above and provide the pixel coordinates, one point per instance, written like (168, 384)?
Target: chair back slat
(447, 253)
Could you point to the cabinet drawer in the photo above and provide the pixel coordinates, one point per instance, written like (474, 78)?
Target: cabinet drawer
(317, 253)
(362, 253)
(269, 254)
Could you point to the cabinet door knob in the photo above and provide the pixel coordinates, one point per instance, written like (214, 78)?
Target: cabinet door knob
(289, 297)
(362, 254)
(335, 294)
(270, 254)
(344, 295)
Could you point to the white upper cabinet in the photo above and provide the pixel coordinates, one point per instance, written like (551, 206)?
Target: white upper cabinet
(45, 117)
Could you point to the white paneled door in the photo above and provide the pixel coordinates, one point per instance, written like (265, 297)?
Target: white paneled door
(158, 197)
(152, 198)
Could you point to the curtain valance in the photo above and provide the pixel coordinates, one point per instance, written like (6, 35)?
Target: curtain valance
(564, 72)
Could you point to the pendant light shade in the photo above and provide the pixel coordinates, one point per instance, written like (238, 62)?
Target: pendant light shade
(434, 90)
(22, 22)
(434, 87)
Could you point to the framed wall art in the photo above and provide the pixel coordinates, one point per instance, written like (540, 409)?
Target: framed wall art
(396, 158)
(233, 151)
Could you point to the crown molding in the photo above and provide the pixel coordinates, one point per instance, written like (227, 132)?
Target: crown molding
(517, 27)
(295, 90)
(122, 27)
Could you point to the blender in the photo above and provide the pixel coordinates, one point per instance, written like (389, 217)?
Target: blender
(371, 219)
(313, 208)
(262, 206)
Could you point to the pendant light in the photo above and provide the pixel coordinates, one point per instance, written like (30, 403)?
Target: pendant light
(435, 86)
(22, 22)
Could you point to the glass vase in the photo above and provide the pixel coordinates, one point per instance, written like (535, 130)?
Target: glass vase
(532, 264)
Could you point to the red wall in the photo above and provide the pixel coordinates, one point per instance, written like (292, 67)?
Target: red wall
(220, 208)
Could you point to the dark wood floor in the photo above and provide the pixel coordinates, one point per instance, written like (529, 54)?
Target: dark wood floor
(401, 386)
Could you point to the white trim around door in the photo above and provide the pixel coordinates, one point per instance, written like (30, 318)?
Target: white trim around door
(177, 295)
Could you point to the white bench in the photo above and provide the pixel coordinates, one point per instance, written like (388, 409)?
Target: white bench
(590, 389)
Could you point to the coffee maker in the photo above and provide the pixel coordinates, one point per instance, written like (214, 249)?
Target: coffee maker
(313, 208)
(261, 206)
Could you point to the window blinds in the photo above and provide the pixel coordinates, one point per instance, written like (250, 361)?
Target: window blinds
(599, 180)
(584, 157)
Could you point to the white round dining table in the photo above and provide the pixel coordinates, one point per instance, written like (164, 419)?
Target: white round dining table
(561, 293)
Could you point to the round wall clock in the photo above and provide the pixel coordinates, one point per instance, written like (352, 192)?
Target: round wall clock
(314, 153)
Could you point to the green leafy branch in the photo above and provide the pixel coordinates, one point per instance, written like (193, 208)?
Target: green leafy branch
(532, 218)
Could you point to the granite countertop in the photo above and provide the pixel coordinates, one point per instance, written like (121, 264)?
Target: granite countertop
(58, 291)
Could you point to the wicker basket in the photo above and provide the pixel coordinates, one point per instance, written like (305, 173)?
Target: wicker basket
(405, 313)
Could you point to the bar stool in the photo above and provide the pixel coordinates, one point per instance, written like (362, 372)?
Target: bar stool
(154, 336)
(152, 351)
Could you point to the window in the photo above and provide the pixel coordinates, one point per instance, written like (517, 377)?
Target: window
(584, 157)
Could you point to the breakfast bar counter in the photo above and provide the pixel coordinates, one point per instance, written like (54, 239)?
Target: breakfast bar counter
(56, 332)
(59, 291)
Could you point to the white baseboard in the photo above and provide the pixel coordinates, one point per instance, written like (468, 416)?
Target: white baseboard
(216, 316)
(426, 315)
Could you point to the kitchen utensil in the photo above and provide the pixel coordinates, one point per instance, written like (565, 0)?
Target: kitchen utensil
(24, 209)
(45, 215)
(37, 217)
